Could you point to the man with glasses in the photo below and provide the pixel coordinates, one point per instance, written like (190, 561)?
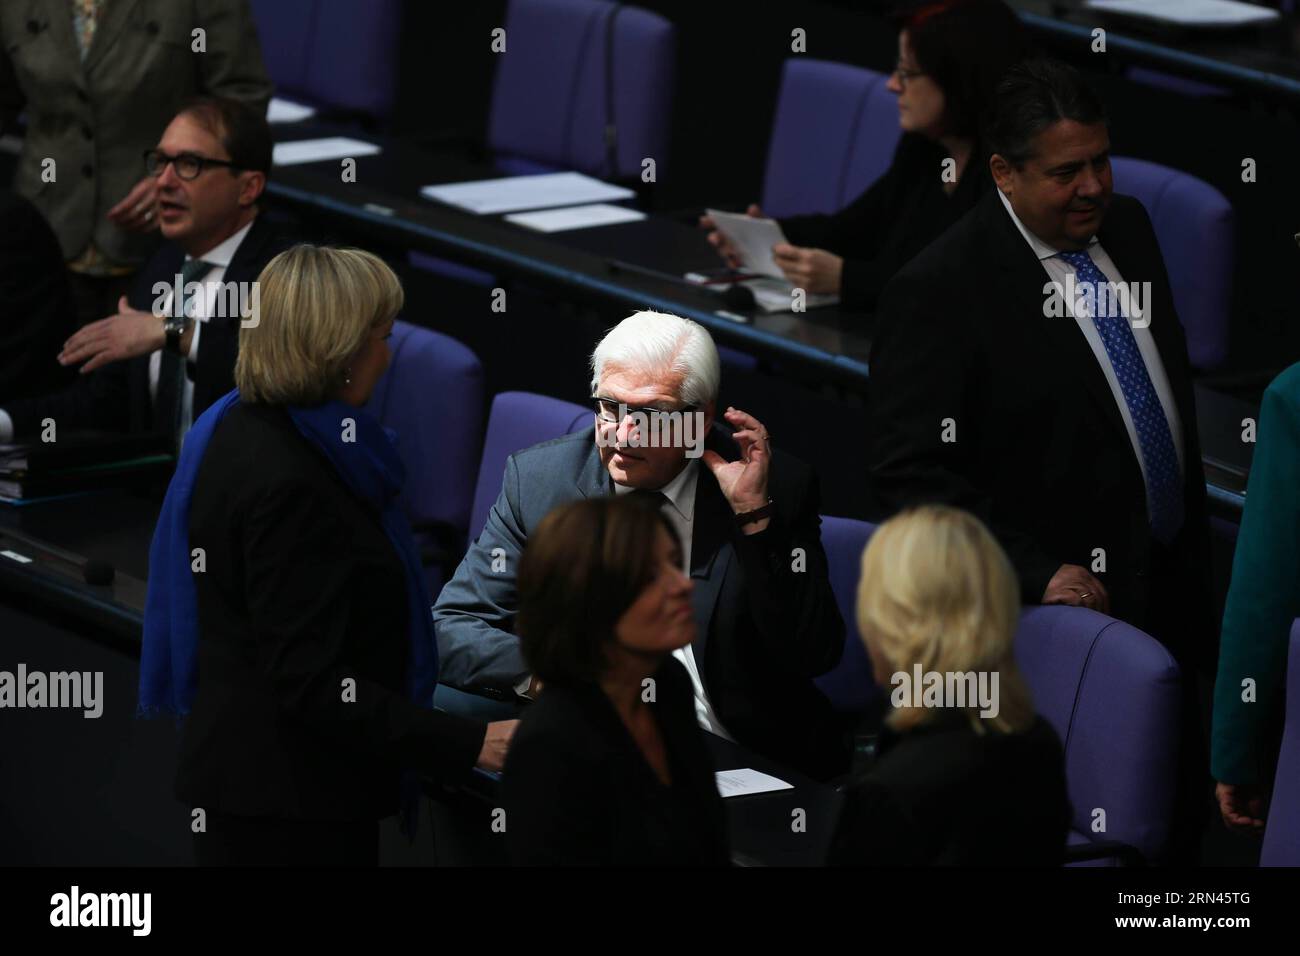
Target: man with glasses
(158, 363)
(747, 516)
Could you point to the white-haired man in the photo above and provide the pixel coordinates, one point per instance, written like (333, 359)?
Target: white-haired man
(747, 516)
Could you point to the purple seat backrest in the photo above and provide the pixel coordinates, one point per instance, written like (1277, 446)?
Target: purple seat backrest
(433, 396)
(1195, 226)
(1282, 833)
(549, 106)
(849, 686)
(1111, 692)
(518, 420)
(834, 134)
(340, 55)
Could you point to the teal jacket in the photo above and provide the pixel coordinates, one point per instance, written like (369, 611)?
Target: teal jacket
(1264, 597)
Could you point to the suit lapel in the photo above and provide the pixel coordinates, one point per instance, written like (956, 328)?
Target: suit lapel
(112, 18)
(1023, 276)
(711, 551)
(593, 480)
(248, 253)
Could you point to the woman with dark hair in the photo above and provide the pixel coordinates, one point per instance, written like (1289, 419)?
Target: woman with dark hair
(608, 767)
(951, 55)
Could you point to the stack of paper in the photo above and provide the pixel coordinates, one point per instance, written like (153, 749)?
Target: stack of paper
(575, 217)
(287, 111)
(1188, 13)
(513, 193)
(319, 150)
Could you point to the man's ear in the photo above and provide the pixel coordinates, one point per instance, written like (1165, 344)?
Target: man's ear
(1001, 172)
(252, 187)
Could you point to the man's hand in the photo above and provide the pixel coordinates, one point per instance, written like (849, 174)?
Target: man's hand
(719, 241)
(1073, 585)
(744, 482)
(813, 270)
(496, 742)
(1243, 807)
(137, 212)
(122, 336)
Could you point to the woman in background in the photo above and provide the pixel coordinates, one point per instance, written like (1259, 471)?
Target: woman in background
(609, 766)
(976, 785)
(951, 55)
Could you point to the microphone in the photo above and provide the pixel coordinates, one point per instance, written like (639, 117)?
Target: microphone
(739, 298)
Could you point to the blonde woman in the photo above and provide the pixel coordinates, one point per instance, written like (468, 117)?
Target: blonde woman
(965, 773)
(287, 614)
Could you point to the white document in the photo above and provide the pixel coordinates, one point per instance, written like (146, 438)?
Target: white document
(1193, 13)
(319, 150)
(752, 239)
(738, 783)
(774, 295)
(287, 111)
(575, 217)
(512, 193)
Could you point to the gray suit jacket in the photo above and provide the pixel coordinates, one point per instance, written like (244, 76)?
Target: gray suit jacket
(95, 119)
(764, 629)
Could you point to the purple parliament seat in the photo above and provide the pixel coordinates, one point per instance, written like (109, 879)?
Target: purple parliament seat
(432, 395)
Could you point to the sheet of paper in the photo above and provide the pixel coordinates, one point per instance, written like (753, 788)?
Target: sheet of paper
(1224, 13)
(319, 150)
(774, 295)
(575, 217)
(753, 240)
(513, 193)
(287, 111)
(738, 783)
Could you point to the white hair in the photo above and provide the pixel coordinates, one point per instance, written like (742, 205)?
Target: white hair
(655, 342)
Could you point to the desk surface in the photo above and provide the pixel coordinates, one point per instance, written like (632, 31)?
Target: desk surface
(1262, 60)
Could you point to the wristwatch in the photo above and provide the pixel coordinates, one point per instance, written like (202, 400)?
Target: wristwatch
(174, 326)
(758, 514)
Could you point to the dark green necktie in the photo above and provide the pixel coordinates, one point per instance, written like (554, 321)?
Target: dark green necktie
(171, 368)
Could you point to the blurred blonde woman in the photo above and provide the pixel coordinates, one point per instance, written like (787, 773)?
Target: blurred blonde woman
(965, 772)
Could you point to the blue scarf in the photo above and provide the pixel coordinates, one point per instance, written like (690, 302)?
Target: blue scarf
(369, 465)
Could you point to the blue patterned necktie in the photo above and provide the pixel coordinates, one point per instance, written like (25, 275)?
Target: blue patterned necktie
(1164, 482)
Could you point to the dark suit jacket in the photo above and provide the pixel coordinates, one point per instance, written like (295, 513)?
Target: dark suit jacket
(115, 397)
(942, 795)
(1041, 451)
(899, 215)
(38, 313)
(764, 630)
(302, 590)
(578, 791)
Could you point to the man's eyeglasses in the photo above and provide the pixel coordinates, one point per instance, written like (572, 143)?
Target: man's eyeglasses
(905, 74)
(608, 410)
(188, 166)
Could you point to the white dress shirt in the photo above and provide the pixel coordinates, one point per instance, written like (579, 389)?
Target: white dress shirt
(220, 257)
(679, 509)
(202, 310)
(1057, 269)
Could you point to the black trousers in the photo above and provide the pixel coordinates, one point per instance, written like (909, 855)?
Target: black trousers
(259, 841)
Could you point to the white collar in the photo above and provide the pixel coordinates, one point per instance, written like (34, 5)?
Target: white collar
(680, 492)
(219, 256)
(1041, 249)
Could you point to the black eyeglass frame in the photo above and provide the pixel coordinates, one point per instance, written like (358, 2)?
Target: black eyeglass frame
(163, 159)
(646, 410)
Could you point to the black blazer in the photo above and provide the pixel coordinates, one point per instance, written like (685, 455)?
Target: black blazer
(764, 630)
(1041, 452)
(942, 795)
(115, 397)
(302, 590)
(38, 312)
(900, 214)
(578, 791)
